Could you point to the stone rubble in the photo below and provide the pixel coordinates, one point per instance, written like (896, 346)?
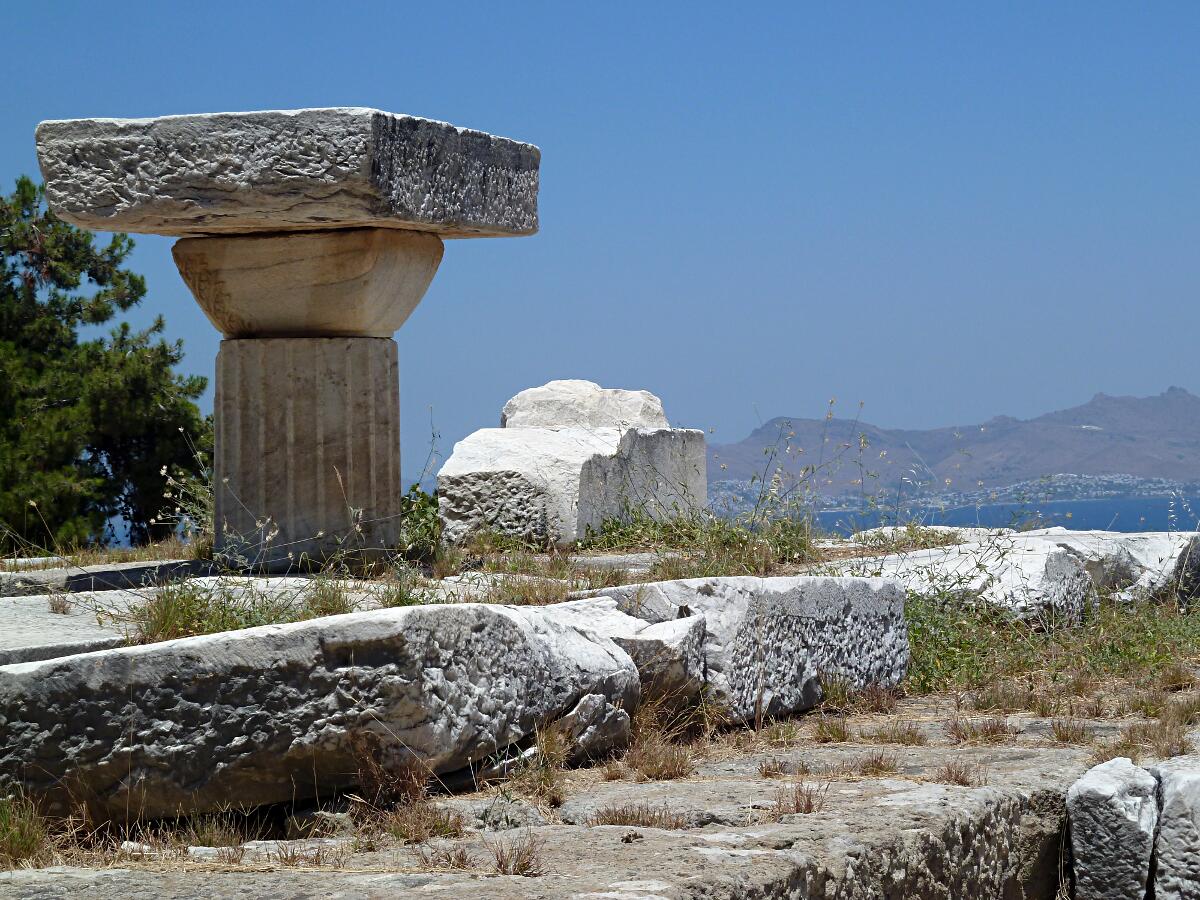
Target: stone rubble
(1044, 571)
(1134, 829)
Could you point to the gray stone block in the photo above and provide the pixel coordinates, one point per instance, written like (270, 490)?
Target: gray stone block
(286, 170)
(1177, 846)
(1113, 813)
(769, 641)
(274, 713)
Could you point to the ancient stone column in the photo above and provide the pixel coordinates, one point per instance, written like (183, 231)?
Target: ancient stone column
(307, 237)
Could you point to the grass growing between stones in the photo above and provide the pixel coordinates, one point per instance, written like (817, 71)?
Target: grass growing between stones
(641, 815)
(799, 798)
(24, 834)
(957, 647)
(518, 856)
(912, 536)
(704, 545)
(961, 773)
(187, 609)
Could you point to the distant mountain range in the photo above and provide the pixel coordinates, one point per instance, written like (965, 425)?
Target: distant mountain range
(1146, 438)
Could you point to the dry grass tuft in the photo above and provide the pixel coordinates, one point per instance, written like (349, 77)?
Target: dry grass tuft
(641, 815)
(877, 762)
(962, 773)
(1002, 696)
(60, 604)
(897, 731)
(1069, 731)
(800, 798)
(388, 775)
(782, 734)
(525, 591)
(774, 768)
(1176, 677)
(456, 858)
(656, 759)
(421, 821)
(540, 777)
(1183, 711)
(831, 730)
(518, 856)
(983, 731)
(1162, 739)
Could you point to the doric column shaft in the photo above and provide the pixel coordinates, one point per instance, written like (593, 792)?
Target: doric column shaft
(307, 449)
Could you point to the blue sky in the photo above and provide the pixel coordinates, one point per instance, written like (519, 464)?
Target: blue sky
(945, 211)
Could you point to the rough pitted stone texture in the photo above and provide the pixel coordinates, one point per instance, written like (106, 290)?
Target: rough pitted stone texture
(550, 485)
(307, 456)
(1032, 577)
(768, 640)
(236, 173)
(1177, 847)
(1113, 813)
(669, 655)
(574, 403)
(271, 714)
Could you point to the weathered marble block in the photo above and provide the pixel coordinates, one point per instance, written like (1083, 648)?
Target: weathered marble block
(287, 170)
(272, 714)
(593, 454)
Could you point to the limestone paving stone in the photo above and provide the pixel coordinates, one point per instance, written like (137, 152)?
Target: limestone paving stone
(890, 837)
(100, 577)
(1113, 813)
(287, 170)
(31, 628)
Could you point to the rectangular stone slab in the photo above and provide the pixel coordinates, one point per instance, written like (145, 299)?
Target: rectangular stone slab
(235, 173)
